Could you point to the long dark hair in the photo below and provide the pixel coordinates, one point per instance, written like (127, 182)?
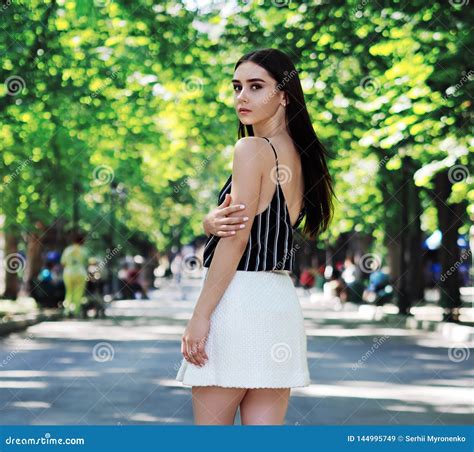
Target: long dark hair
(318, 184)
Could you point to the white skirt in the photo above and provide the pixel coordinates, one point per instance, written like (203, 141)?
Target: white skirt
(256, 337)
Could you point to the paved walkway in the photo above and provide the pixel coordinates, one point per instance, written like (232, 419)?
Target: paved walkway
(121, 370)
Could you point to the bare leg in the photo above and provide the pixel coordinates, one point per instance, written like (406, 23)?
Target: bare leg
(215, 405)
(264, 406)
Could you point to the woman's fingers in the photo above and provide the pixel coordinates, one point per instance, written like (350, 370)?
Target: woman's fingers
(191, 353)
(195, 352)
(232, 209)
(198, 348)
(226, 201)
(230, 221)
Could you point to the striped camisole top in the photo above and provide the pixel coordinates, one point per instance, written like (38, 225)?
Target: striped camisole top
(270, 245)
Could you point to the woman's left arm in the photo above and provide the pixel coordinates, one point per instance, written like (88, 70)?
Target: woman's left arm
(246, 182)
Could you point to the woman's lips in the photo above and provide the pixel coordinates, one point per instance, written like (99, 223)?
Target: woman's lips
(243, 112)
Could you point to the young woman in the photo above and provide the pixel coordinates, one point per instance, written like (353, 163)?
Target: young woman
(245, 345)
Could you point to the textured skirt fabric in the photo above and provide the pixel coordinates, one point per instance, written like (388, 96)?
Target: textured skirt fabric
(256, 337)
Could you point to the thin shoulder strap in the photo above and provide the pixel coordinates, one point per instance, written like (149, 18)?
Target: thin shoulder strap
(276, 157)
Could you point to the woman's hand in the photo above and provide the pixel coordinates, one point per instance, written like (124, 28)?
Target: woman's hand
(194, 339)
(217, 222)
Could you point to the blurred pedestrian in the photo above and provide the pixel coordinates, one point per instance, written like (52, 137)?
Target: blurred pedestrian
(307, 279)
(133, 282)
(74, 260)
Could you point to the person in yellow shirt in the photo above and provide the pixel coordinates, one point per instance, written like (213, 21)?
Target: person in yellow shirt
(74, 260)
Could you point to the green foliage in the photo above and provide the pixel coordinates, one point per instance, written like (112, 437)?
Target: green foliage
(140, 93)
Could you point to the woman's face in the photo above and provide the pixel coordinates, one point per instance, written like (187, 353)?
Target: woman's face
(255, 90)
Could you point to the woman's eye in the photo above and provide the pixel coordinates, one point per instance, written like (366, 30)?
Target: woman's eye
(236, 87)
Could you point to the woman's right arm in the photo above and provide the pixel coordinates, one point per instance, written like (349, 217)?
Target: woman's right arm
(218, 223)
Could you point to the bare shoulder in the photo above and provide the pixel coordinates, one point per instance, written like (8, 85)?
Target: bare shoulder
(248, 150)
(250, 144)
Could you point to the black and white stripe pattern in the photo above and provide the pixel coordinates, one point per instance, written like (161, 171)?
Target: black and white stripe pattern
(270, 245)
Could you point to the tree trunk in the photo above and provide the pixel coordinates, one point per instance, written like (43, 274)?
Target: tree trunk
(416, 281)
(11, 256)
(449, 221)
(33, 262)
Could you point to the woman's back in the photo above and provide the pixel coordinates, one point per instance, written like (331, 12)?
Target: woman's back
(291, 176)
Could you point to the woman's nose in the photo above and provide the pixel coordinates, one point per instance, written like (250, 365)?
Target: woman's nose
(242, 95)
